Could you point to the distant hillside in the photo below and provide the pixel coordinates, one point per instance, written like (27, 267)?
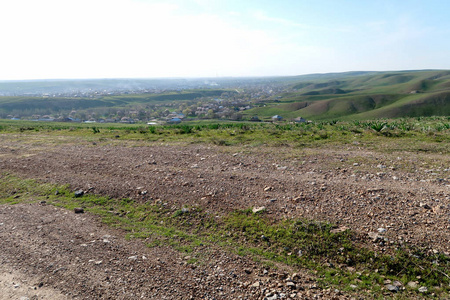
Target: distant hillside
(80, 87)
(83, 86)
(30, 105)
(349, 95)
(364, 95)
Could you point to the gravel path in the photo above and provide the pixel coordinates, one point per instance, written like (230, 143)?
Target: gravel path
(407, 195)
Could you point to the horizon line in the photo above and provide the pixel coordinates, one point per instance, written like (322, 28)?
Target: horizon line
(211, 77)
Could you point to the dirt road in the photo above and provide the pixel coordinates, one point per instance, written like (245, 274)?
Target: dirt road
(52, 253)
(74, 256)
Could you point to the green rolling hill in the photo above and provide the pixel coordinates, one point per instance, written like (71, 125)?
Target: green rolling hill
(345, 96)
(364, 96)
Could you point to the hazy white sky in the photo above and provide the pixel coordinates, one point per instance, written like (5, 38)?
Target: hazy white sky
(207, 38)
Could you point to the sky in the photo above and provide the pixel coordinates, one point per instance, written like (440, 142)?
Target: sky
(53, 39)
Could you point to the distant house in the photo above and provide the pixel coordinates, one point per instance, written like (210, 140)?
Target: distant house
(277, 118)
(300, 120)
(255, 119)
(126, 120)
(176, 115)
(46, 118)
(174, 121)
(63, 119)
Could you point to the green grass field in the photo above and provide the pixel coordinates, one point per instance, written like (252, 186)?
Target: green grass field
(411, 134)
(379, 95)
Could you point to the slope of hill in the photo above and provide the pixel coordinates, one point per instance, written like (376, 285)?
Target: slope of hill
(365, 95)
(349, 95)
(27, 105)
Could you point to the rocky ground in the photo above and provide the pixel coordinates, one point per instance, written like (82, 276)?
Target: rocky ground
(397, 197)
(50, 253)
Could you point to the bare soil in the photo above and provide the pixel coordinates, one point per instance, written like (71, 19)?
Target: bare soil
(74, 256)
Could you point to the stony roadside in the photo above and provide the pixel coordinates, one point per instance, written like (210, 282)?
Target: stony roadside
(400, 197)
(52, 253)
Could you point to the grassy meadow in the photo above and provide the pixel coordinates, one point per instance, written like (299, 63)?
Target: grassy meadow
(406, 134)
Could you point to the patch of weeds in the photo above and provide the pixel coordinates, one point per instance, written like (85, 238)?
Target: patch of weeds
(11, 186)
(152, 129)
(192, 260)
(155, 243)
(220, 142)
(142, 130)
(256, 144)
(186, 129)
(322, 136)
(377, 126)
(336, 258)
(281, 144)
(312, 244)
(180, 212)
(10, 200)
(95, 130)
(23, 129)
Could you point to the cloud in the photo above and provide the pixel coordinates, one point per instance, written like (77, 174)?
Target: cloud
(395, 33)
(152, 38)
(125, 38)
(262, 16)
(234, 13)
